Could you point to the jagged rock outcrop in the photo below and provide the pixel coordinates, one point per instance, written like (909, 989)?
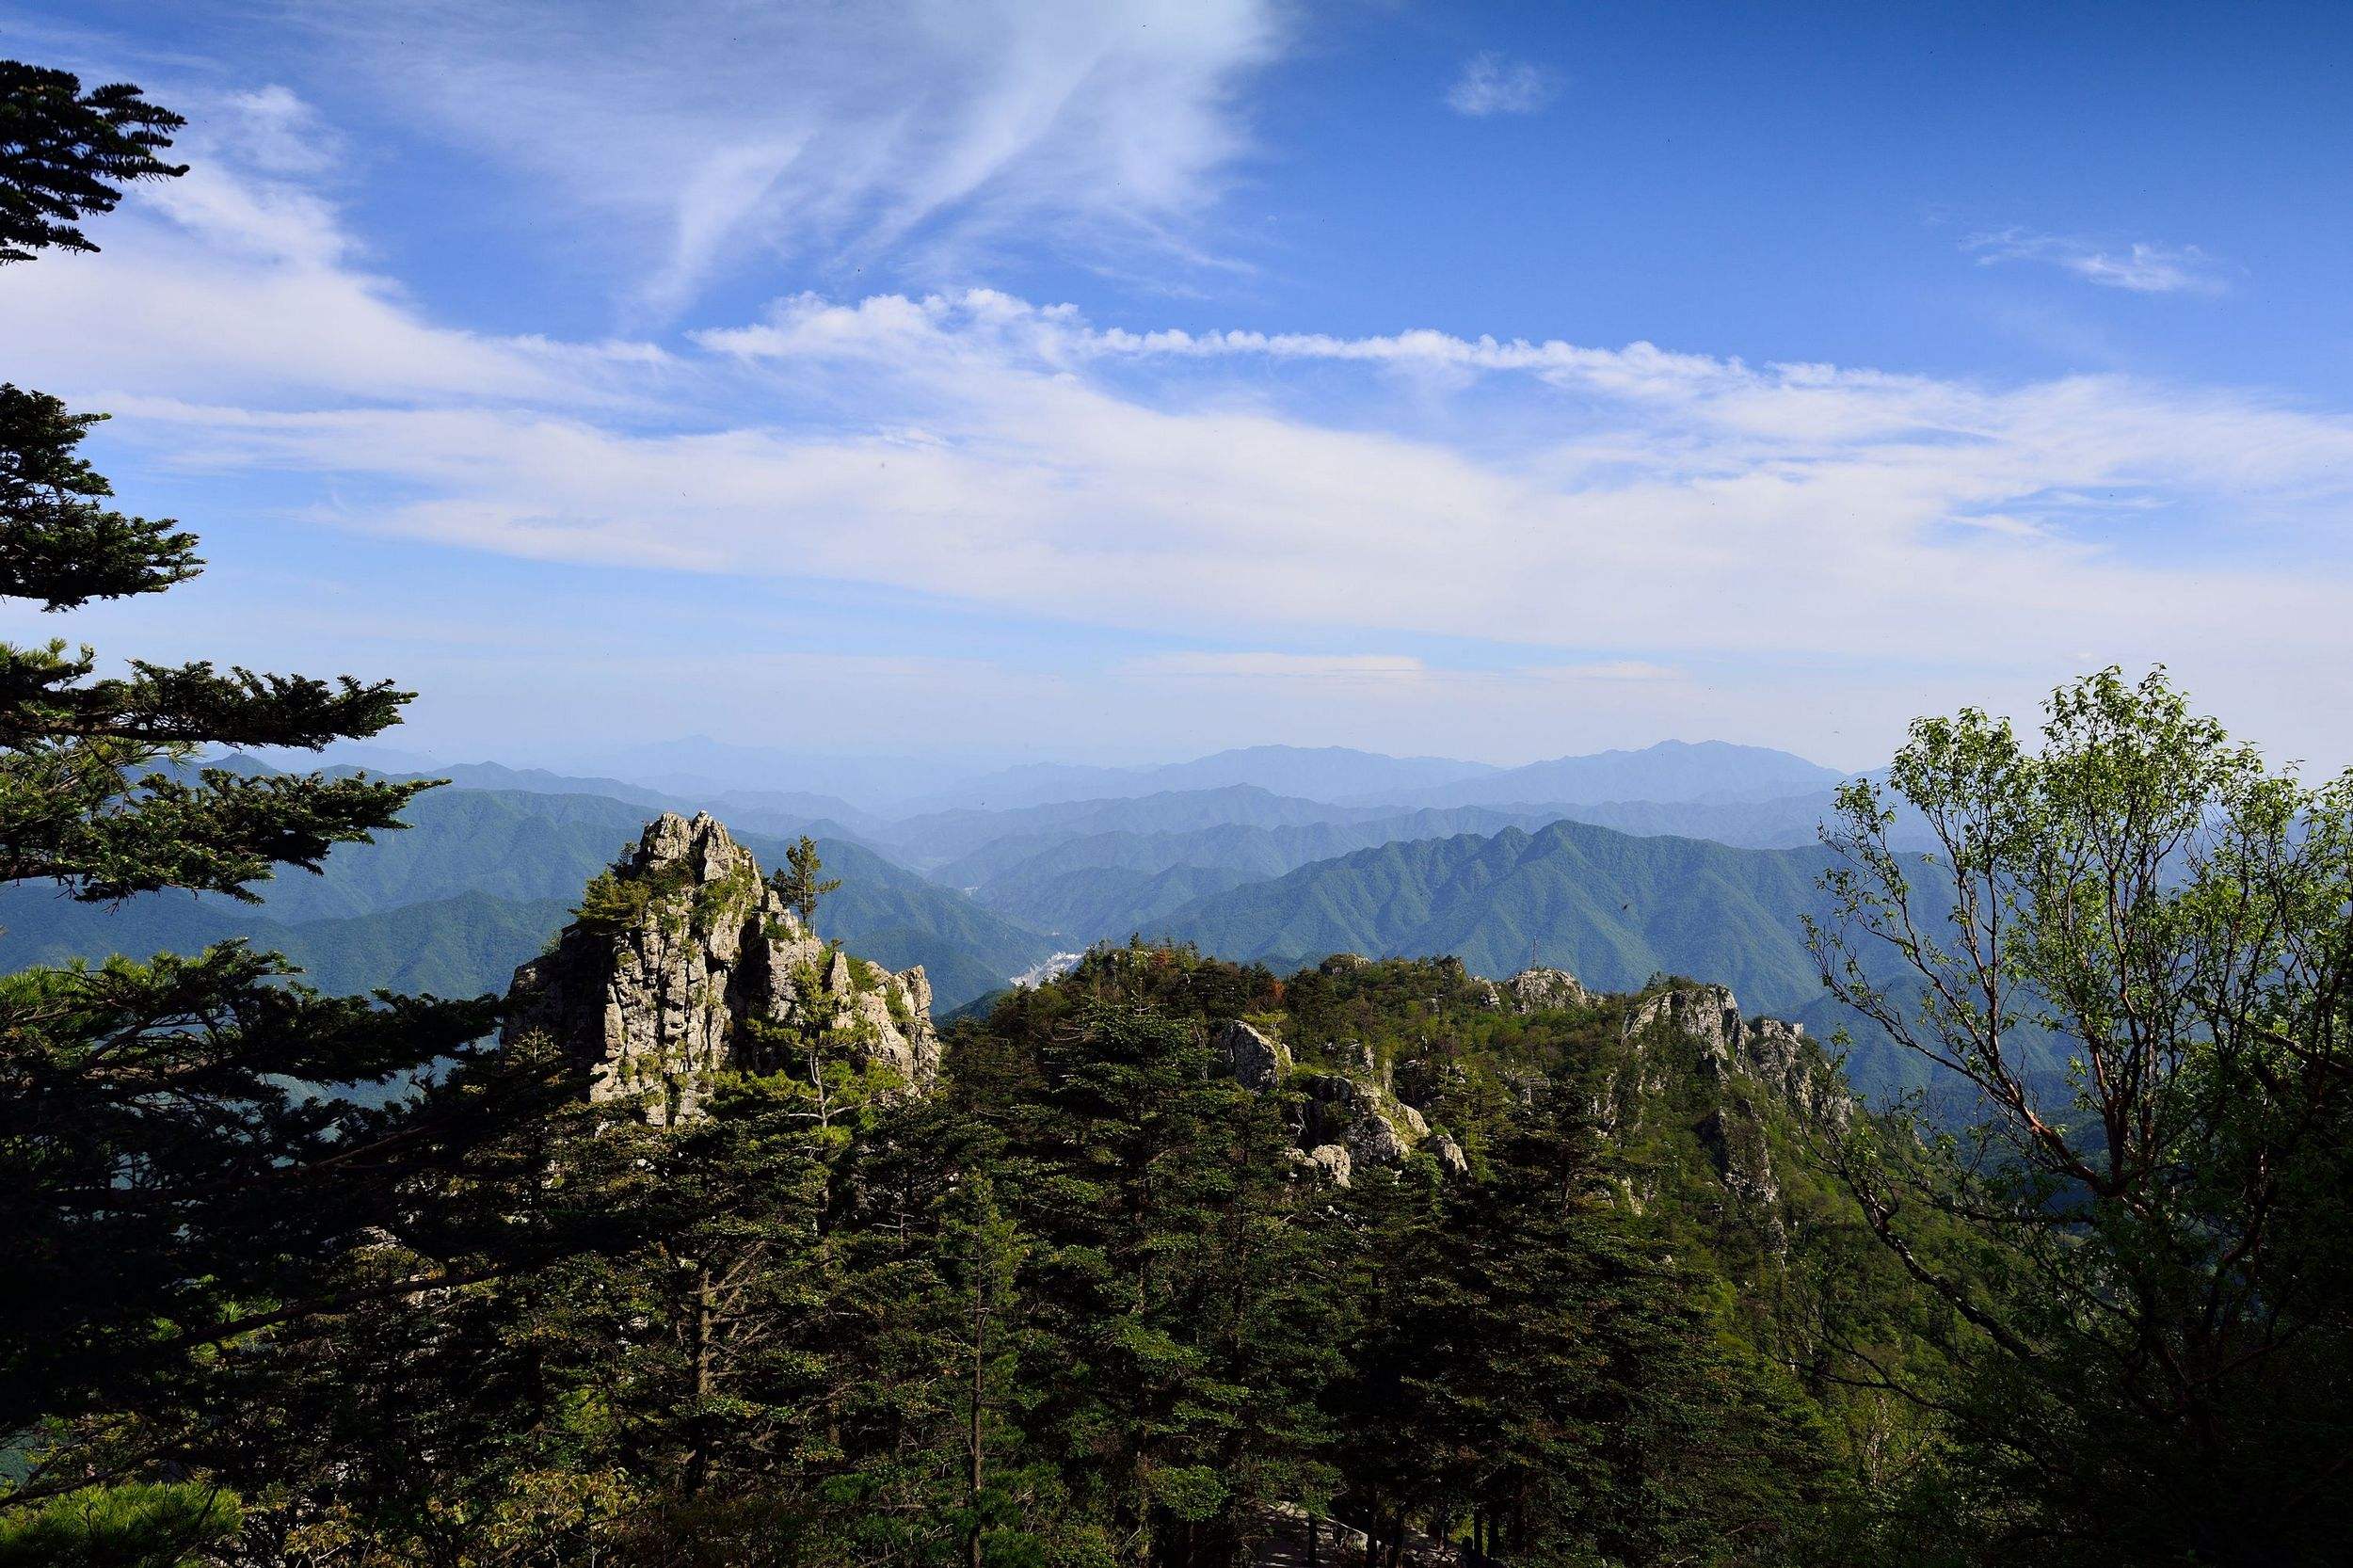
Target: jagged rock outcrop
(1542, 990)
(1348, 1117)
(1258, 1062)
(1780, 1056)
(684, 963)
(1372, 1125)
(1327, 1162)
(1697, 1030)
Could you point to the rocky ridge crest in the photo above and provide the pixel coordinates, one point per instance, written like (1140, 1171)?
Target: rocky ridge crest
(1682, 1032)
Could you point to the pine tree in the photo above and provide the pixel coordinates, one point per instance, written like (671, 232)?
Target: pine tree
(800, 881)
(65, 153)
(170, 1187)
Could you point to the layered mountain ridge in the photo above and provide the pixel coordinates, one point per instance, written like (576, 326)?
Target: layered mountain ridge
(683, 963)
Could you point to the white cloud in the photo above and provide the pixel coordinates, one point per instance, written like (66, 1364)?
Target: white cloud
(706, 134)
(2138, 267)
(1623, 519)
(1490, 84)
(981, 449)
(239, 282)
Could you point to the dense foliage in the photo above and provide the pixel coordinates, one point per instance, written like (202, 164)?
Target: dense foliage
(170, 1185)
(1080, 1303)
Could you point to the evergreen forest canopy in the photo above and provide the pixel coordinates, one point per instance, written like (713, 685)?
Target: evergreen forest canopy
(1603, 1285)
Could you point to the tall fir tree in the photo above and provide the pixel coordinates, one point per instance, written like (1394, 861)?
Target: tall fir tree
(170, 1185)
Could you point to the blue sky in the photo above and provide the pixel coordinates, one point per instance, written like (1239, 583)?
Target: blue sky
(1123, 382)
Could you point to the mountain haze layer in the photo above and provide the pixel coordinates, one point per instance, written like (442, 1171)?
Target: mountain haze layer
(478, 880)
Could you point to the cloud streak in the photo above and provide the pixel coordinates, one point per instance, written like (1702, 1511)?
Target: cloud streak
(1490, 84)
(709, 136)
(2138, 267)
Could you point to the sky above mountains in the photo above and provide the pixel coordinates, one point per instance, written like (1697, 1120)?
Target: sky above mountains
(1123, 382)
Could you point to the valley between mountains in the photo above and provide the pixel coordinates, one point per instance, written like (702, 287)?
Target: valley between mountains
(1697, 860)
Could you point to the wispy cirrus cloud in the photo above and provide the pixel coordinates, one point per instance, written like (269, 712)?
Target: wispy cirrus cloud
(2138, 267)
(1493, 84)
(706, 135)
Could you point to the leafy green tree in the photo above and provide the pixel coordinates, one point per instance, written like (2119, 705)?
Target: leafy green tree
(2147, 1246)
(800, 881)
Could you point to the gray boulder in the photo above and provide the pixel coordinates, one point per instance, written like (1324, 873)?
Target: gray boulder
(1257, 1061)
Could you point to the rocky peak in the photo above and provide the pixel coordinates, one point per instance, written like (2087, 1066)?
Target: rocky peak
(680, 950)
(1693, 1029)
(1542, 990)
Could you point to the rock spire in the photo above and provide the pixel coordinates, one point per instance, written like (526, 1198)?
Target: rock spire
(684, 963)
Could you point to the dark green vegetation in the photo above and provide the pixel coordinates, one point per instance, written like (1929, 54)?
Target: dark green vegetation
(1082, 1304)
(167, 1188)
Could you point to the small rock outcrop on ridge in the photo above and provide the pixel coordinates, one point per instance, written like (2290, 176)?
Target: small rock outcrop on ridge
(1352, 1117)
(1691, 1029)
(1258, 1062)
(1541, 990)
(683, 962)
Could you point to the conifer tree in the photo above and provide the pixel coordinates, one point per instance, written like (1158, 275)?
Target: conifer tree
(66, 152)
(801, 880)
(169, 1186)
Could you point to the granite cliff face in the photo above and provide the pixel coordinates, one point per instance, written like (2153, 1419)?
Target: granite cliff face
(686, 963)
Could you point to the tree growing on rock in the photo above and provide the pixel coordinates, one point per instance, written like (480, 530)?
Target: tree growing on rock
(801, 880)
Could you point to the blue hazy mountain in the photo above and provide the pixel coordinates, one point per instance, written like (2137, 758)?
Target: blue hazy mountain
(478, 883)
(1671, 771)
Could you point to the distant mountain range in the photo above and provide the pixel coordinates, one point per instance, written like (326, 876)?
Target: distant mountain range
(481, 879)
(1709, 878)
(1709, 772)
(857, 790)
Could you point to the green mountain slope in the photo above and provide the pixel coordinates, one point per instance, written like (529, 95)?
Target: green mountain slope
(479, 881)
(1110, 884)
(1612, 908)
(507, 844)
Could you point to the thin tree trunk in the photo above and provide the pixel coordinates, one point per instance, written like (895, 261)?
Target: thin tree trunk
(698, 1456)
(972, 1435)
